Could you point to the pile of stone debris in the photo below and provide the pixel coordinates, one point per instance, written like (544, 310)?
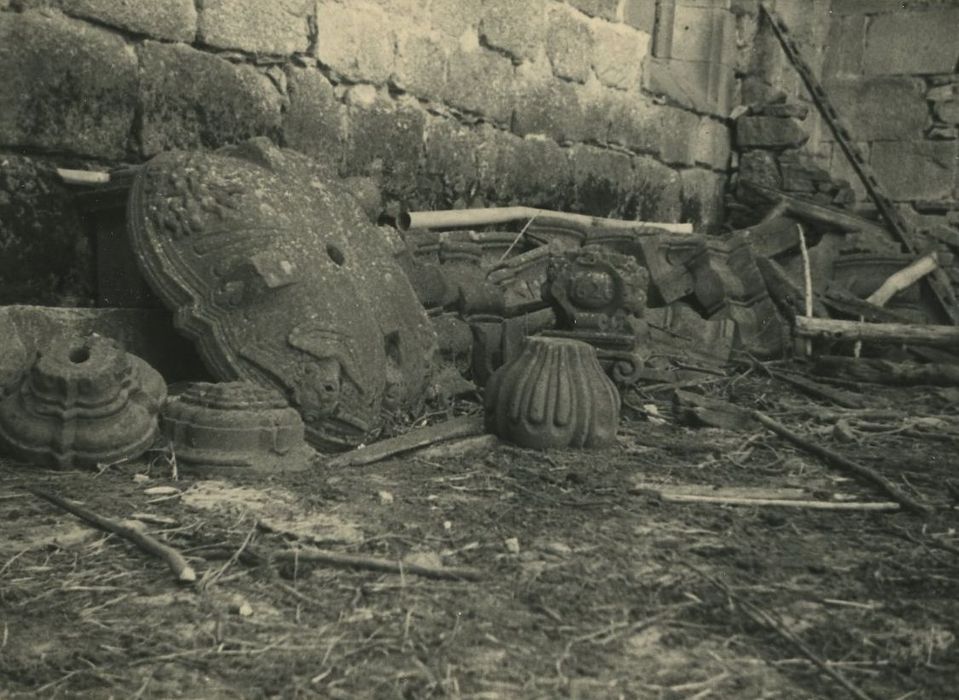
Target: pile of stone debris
(318, 325)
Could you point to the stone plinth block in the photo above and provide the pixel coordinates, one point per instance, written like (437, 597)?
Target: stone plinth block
(555, 394)
(234, 425)
(276, 272)
(84, 402)
(769, 132)
(276, 27)
(67, 86)
(173, 20)
(192, 99)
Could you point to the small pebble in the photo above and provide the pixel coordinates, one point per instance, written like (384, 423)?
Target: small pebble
(512, 545)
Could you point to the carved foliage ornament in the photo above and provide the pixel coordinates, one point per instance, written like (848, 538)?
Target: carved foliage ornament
(278, 275)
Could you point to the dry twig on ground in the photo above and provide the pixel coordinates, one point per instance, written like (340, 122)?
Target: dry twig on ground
(178, 565)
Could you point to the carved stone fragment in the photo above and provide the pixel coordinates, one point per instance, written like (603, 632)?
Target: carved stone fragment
(278, 275)
(593, 289)
(555, 394)
(235, 425)
(83, 402)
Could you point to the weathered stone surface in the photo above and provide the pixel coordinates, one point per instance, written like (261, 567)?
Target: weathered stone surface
(912, 42)
(518, 28)
(420, 66)
(386, 139)
(657, 191)
(450, 161)
(315, 121)
(355, 40)
(538, 173)
(555, 394)
(880, 108)
(277, 27)
(948, 112)
(844, 46)
(547, 106)
(769, 132)
(456, 18)
(569, 43)
(943, 93)
(602, 180)
(44, 254)
(866, 7)
(640, 14)
(840, 168)
(916, 169)
(146, 333)
(797, 110)
(760, 168)
(698, 85)
(604, 9)
(618, 53)
(192, 99)
(633, 120)
(703, 198)
(674, 132)
(473, 66)
(67, 86)
(174, 20)
(703, 33)
(235, 425)
(83, 402)
(308, 297)
(516, 171)
(712, 144)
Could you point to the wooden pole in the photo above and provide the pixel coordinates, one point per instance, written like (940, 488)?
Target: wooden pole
(913, 334)
(454, 218)
(844, 463)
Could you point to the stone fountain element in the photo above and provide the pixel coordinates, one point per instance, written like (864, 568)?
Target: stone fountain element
(555, 394)
(83, 402)
(273, 268)
(234, 425)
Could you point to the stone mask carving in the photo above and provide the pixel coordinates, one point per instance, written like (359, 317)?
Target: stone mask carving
(278, 275)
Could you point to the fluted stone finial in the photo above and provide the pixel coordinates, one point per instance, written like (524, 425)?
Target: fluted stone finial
(555, 394)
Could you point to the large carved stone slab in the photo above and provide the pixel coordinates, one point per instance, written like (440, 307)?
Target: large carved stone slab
(278, 275)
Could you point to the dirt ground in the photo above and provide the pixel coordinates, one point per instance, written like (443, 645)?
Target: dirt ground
(590, 587)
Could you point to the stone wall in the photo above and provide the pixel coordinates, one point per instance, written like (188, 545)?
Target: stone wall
(890, 68)
(609, 107)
